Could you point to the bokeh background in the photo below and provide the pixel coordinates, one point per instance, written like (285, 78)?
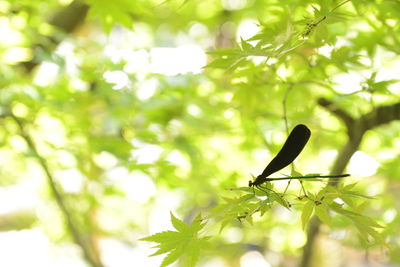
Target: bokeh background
(109, 121)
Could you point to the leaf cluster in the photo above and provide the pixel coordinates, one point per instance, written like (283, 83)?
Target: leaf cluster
(184, 244)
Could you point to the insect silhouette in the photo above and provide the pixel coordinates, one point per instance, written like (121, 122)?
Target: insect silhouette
(292, 147)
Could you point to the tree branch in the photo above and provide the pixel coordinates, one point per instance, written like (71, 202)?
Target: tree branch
(89, 253)
(381, 115)
(356, 129)
(331, 107)
(70, 17)
(67, 20)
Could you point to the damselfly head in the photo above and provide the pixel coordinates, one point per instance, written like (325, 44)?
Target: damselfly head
(251, 183)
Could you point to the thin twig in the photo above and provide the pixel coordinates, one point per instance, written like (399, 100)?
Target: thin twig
(284, 102)
(345, 2)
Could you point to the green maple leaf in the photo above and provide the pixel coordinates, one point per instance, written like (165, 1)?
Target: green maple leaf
(185, 244)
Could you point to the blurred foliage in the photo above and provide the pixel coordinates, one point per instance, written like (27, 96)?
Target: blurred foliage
(88, 143)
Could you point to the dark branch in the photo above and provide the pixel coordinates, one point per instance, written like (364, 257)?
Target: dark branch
(70, 17)
(381, 115)
(356, 129)
(331, 107)
(67, 20)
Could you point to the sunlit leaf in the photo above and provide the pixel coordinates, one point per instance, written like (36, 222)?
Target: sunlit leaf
(307, 212)
(185, 243)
